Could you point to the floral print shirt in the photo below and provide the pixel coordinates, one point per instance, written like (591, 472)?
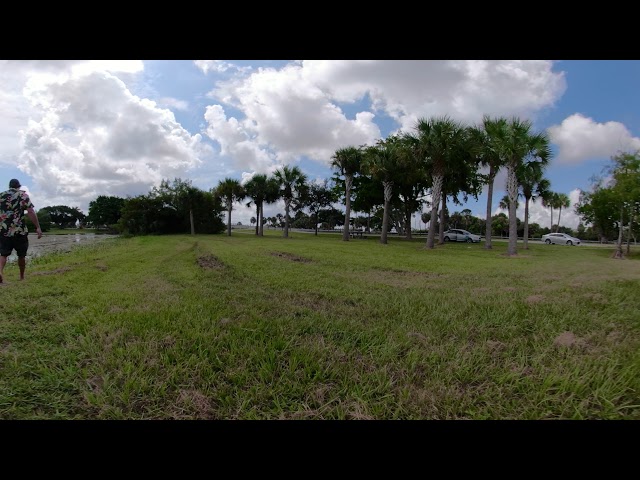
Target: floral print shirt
(13, 203)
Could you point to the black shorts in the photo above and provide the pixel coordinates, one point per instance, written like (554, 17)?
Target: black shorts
(18, 242)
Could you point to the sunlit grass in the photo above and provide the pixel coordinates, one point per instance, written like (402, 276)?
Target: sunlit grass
(240, 327)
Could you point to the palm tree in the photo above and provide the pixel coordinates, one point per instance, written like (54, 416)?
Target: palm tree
(438, 138)
(549, 200)
(504, 203)
(411, 179)
(381, 161)
(533, 185)
(292, 182)
(347, 162)
(466, 214)
(562, 201)
(456, 217)
(462, 175)
(514, 143)
(262, 189)
(230, 190)
(485, 139)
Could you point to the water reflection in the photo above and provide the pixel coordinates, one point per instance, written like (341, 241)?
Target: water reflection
(59, 243)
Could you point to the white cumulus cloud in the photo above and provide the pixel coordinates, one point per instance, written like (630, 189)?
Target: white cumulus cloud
(580, 138)
(93, 137)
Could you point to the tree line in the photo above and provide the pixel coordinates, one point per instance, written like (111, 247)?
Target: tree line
(390, 181)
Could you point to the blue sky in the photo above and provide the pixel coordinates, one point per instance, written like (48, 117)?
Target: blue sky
(73, 130)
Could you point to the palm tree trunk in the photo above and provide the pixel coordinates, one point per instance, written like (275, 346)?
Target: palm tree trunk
(229, 219)
(385, 216)
(258, 219)
(317, 221)
(441, 226)
(559, 213)
(487, 231)
(193, 228)
(619, 253)
(287, 203)
(526, 223)
(435, 200)
(512, 190)
(261, 220)
(551, 229)
(629, 233)
(348, 182)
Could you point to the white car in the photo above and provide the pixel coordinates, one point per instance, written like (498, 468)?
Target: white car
(459, 235)
(560, 239)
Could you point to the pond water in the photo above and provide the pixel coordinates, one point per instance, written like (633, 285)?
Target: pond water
(58, 243)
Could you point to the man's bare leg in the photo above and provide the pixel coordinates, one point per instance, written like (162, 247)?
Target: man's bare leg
(22, 263)
(3, 262)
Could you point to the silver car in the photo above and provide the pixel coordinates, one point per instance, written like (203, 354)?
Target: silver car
(459, 235)
(560, 239)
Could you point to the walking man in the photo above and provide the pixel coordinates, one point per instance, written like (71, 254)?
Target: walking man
(13, 231)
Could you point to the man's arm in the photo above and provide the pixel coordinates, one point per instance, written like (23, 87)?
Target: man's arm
(34, 218)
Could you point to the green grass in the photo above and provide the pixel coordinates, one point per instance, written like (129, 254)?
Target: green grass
(240, 327)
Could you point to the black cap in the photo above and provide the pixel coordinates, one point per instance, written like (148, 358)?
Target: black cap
(14, 183)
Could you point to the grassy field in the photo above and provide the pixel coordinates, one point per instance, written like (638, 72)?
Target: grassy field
(217, 327)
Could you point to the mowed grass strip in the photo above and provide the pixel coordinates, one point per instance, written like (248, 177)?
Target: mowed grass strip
(241, 327)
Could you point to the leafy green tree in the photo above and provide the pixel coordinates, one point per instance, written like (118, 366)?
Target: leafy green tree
(182, 196)
(63, 216)
(625, 173)
(598, 208)
(105, 210)
(368, 196)
(293, 191)
(500, 224)
(229, 191)
(347, 162)
(144, 215)
(320, 197)
(331, 217)
(411, 181)
(44, 219)
(173, 207)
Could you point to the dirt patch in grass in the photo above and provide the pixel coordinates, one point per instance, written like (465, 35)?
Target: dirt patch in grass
(419, 336)
(209, 262)
(102, 267)
(5, 347)
(291, 256)
(532, 299)
(52, 272)
(569, 339)
(193, 404)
